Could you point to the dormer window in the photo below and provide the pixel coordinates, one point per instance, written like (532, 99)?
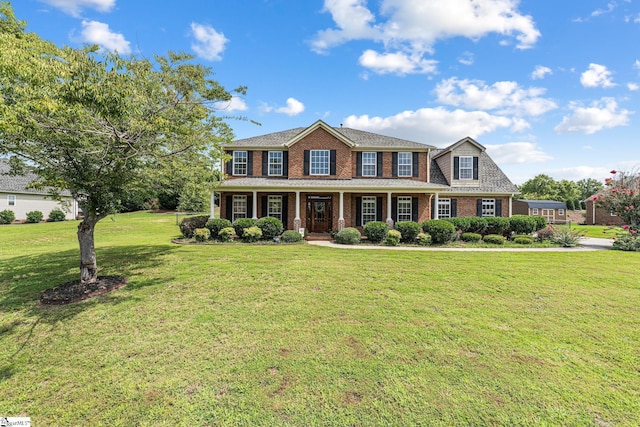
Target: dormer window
(466, 167)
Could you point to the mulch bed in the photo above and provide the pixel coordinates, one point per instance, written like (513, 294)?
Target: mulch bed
(73, 291)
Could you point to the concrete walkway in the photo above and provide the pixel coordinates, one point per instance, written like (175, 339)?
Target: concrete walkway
(586, 244)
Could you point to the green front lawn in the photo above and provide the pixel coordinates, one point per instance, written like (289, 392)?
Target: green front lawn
(303, 335)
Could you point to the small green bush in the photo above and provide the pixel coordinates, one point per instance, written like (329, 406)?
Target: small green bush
(522, 224)
(478, 225)
(565, 237)
(627, 242)
(470, 237)
(241, 223)
(57, 215)
(348, 236)
(462, 224)
(201, 234)
(376, 231)
(227, 234)
(545, 233)
(217, 224)
(271, 227)
(441, 231)
(409, 231)
(494, 239)
(7, 217)
(541, 222)
(523, 240)
(424, 239)
(189, 224)
(497, 225)
(393, 238)
(291, 236)
(251, 234)
(34, 217)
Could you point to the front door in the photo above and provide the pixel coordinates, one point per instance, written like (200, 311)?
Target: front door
(319, 216)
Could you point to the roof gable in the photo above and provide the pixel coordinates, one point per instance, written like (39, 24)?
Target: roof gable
(452, 147)
(320, 125)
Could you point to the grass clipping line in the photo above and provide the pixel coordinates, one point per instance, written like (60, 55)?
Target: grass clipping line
(74, 291)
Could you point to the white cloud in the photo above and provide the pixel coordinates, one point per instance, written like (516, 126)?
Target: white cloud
(235, 104)
(540, 72)
(74, 7)
(209, 44)
(466, 58)
(293, 108)
(636, 65)
(505, 97)
(436, 126)
(633, 86)
(610, 8)
(99, 33)
(398, 63)
(596, 76)
(600, 115)
(517, 152)
(576, 173)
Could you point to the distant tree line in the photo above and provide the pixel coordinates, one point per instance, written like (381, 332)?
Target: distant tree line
(573, 193)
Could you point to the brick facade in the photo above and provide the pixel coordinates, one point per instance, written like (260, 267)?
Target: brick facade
(596, 215)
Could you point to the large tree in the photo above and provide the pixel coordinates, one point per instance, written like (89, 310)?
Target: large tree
(94, 123)
(540, 187)
(588, 187)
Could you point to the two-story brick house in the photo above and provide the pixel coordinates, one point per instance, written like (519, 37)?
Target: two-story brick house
(323, 178)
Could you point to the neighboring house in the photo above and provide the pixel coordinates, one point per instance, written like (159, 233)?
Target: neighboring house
(17, 197)
(554, 212)
(598, 215)
(323, 178)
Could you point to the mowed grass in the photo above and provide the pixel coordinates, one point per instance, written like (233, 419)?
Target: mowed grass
(303, 335)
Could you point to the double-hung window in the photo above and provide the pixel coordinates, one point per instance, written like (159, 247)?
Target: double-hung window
(368, 209)
(404, 209)
(444, 208)
(239, 162)
(369, 164)
(405, 167)
(534, 211)
(239, 207)
(560, 211)
(11, 200)
(488, 207)
(275, 163)
(274, 207)
(466, 167)
(320, 162)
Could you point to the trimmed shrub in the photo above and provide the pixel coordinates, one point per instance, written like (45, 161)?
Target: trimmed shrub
(441, 231)
(376, 231)
(348, 236)
(470, 237)
(227, 234)
(627, 242)
(201, 234)
(393, 238)
(57, 215)
(251, 234)
(7, 217)
(189, 224)
(34, 217)
(497, 225)
(541, 222)
(271, 227)
(545, 233)
(217, 224)
(523, 240)
(409, 231)
(424, 239)
(291, 236)
(241, 223)
(494, 239)
(478, 225)
(462, 224)
(522, 224)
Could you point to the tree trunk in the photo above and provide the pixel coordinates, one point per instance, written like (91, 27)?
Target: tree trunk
(88, 264)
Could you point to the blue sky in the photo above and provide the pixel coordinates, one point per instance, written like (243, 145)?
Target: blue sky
(547, 87)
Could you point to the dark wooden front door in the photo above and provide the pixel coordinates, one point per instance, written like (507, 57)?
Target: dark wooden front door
(319, 216)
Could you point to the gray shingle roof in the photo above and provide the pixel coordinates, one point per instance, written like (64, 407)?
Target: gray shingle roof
(545, 204)
(19, 183)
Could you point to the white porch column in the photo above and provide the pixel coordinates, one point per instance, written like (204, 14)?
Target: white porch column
(296, 221)
(341, 218)
(435, 206)
(212, 212)
(389, 208)
(511, 206)
(255, 205)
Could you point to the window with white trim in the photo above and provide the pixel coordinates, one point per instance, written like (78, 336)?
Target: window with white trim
(368, 209)
(444, 208)
(320, 162)
(369, 164)
(240, 162)
(239, 207)
(534, 211)
(404, 209)
(11, 200)
(274, 207)
(405, 161)
(488, 207)
(560, 211)
(275, 163)
(465, 167)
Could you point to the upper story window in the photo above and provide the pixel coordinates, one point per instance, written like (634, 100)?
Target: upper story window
(320, 162)
(488, 206)
(405, 167)
(444, 208)
(11, 200)
(240, 162)
(466, 167)
(369, 164)
(275, 163)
